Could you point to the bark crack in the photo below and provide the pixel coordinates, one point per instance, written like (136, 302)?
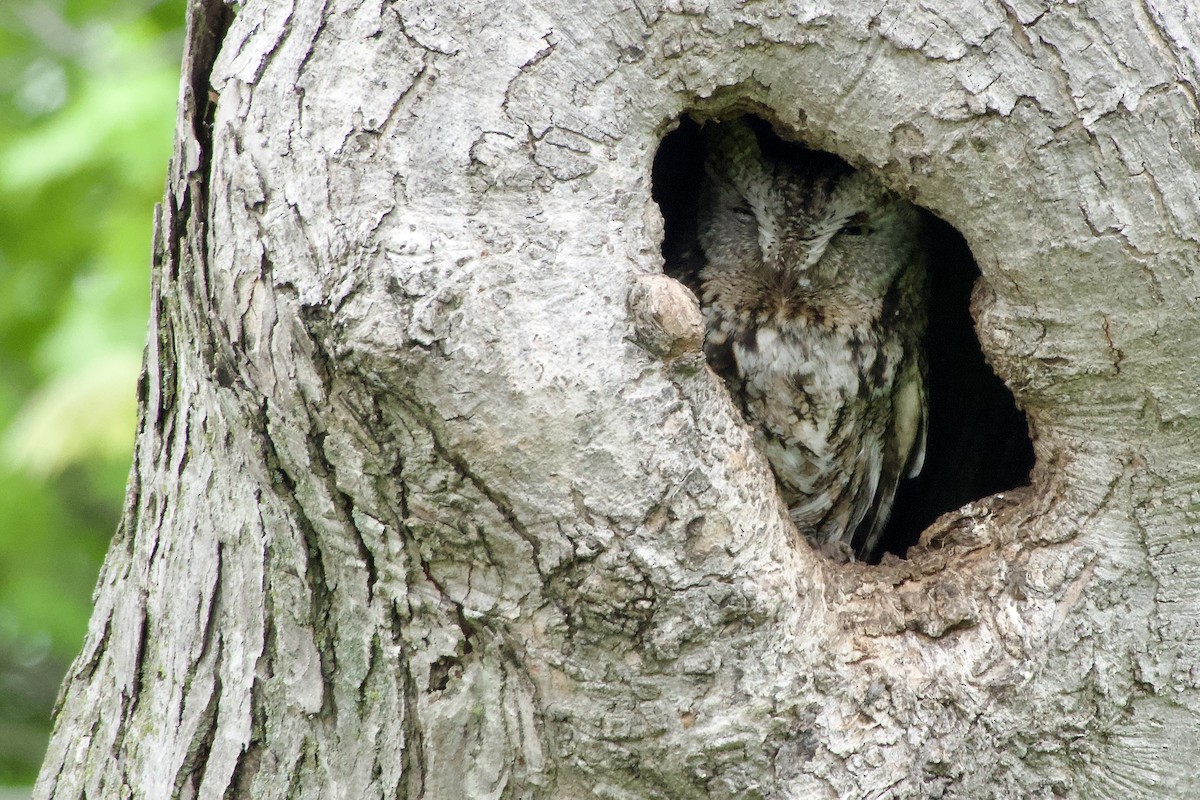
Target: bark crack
(321, 604)
(1115, 353)
(1169, 51)
(496, 498)
(195, 761)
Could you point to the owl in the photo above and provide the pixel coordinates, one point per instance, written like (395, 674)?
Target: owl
(813, 289)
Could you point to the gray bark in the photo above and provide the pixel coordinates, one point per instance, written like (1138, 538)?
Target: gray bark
(434, 497)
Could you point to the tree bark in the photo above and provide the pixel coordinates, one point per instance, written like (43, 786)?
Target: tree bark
(435, 497)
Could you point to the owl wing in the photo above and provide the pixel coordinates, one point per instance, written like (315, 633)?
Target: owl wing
(903, 453)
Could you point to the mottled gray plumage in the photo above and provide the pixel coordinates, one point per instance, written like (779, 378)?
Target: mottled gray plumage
(814, 297)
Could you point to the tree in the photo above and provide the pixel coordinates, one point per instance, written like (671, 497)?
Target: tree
(433, 495)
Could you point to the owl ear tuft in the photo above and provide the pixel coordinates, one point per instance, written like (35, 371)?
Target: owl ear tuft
(732, 149)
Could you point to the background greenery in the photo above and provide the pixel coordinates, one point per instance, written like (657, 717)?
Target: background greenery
(87, 107)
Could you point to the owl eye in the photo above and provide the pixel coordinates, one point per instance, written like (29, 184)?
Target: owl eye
(855, 226)
(744, 213)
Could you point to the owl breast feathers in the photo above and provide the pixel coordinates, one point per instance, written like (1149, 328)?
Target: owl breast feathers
(814, 296)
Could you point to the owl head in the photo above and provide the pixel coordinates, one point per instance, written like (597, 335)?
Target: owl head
(801, 218)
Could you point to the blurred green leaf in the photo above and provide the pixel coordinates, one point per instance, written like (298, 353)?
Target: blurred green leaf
(110, 122)
(77, 417)
(87, 107)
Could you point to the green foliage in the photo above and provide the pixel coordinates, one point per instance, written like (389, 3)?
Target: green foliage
(87, 107)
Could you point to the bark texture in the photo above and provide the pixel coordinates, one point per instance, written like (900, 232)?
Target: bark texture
(434, 496)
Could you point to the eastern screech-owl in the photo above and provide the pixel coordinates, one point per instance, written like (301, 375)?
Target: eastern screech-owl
(814, 298)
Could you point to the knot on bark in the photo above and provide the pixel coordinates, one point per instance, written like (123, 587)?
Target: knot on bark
(666, 317)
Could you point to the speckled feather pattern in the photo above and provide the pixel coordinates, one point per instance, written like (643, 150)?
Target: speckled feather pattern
(814, 300)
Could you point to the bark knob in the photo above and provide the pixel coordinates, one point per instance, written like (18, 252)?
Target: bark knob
(666, 317)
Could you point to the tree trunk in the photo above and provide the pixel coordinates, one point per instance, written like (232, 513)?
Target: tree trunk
(434, 496)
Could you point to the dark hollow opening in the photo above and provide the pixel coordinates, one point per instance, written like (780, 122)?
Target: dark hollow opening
(978, 440)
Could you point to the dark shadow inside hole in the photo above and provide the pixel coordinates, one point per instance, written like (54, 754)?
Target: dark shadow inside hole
(978, 440)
